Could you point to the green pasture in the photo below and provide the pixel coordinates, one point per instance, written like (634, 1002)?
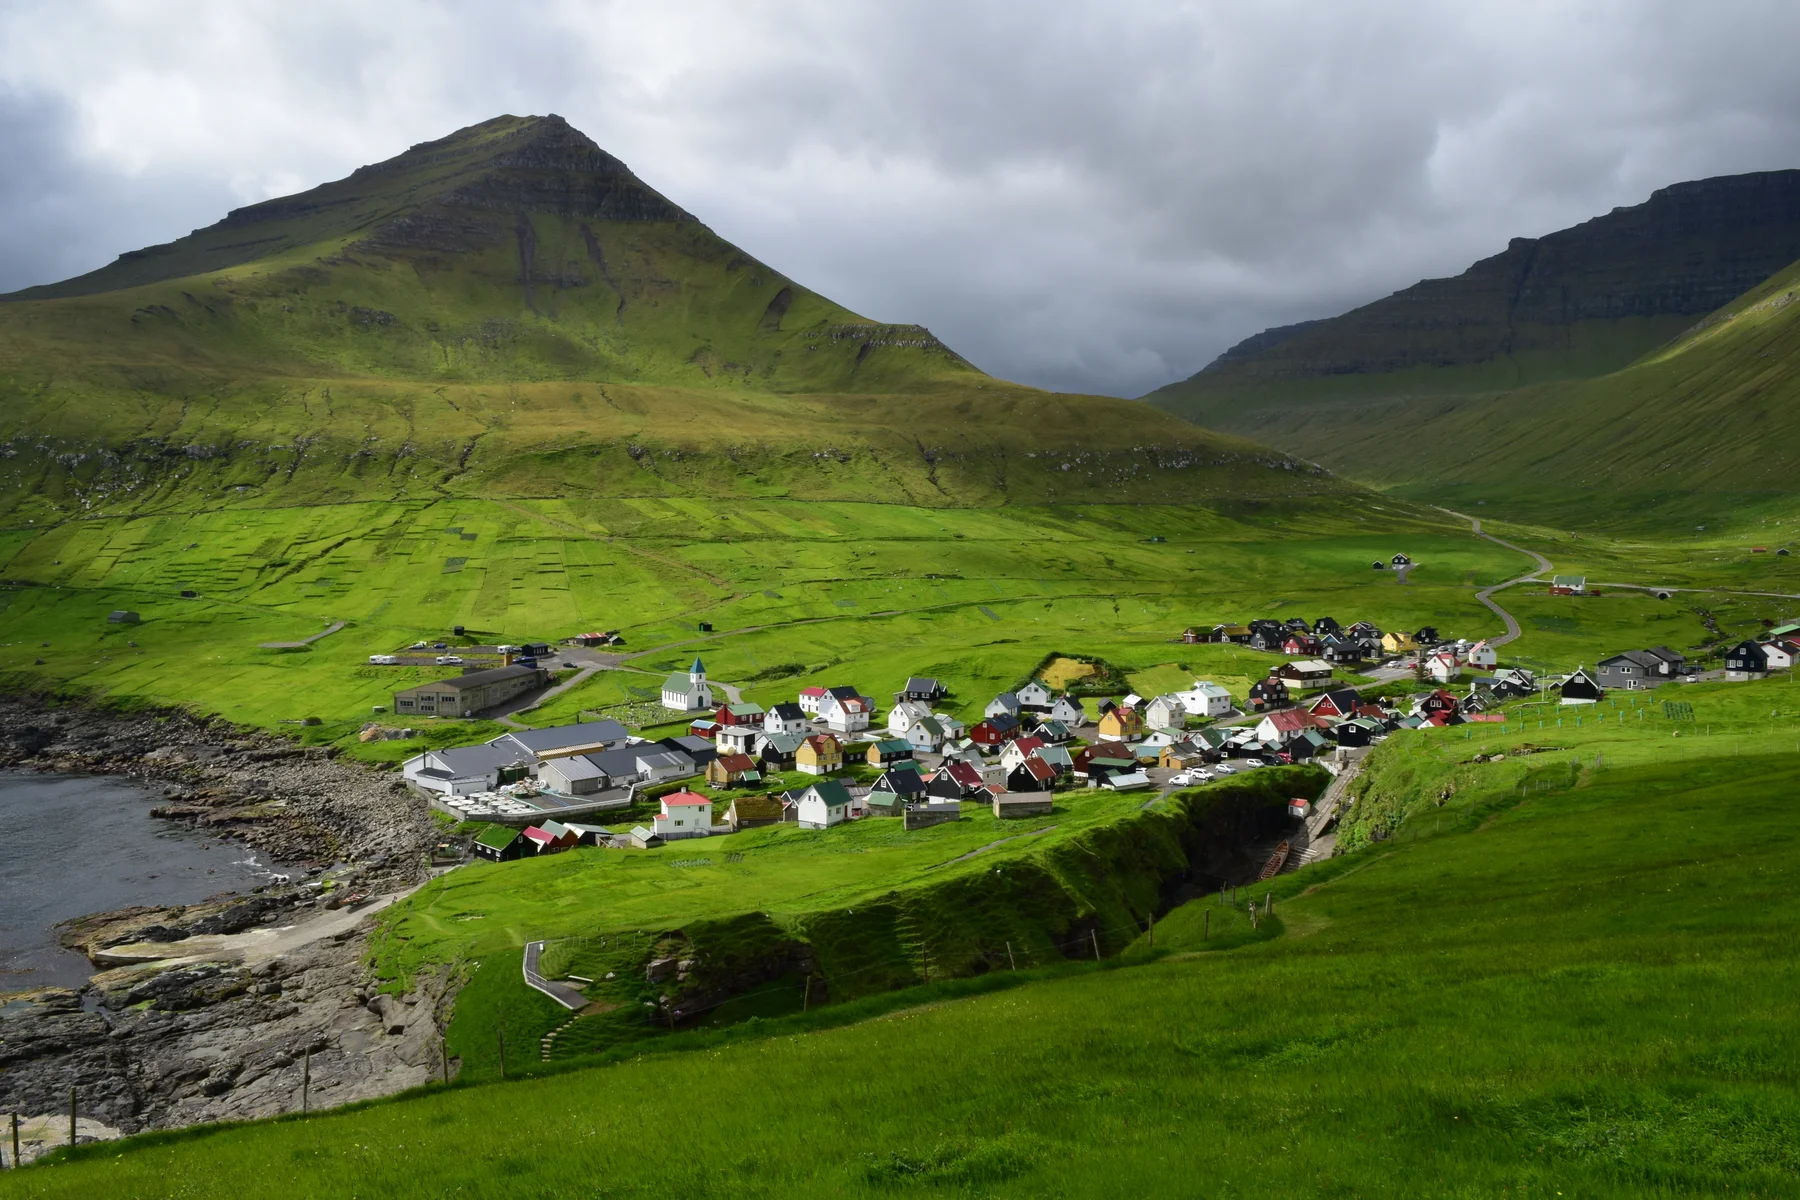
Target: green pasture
(866, 593)
(1582, 987)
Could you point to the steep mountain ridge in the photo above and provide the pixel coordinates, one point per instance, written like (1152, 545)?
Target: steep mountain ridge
(510, 309)
(1576, 303)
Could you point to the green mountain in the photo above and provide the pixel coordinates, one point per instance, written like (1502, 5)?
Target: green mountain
(510, 311)
(1551, 361)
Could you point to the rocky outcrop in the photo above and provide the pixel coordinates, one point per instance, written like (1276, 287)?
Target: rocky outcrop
(160, 1047)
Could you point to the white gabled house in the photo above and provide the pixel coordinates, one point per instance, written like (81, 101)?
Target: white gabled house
(1166, 712)
(785, 717)
(905, 714)
(1035, 696)
(1483, 655)
(825, 804)
(1068, 710)
(926, 734)
(1207, 699)
(1006, 704)
(1442, 666)
(846, 714)
(684, 815)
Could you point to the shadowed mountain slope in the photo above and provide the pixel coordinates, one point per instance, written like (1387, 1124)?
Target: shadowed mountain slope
(510, 310)
(1366, 392)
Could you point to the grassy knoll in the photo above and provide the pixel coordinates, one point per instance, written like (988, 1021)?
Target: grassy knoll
(1583, 988)
(873, 907)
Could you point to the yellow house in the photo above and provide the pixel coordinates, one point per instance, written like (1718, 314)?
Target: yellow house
(1120, 723)
(1398, 643)
(820, 754)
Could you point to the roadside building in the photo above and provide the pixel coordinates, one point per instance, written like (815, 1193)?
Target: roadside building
(469, 693)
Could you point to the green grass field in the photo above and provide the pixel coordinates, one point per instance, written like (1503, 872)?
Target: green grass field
(1581, 988)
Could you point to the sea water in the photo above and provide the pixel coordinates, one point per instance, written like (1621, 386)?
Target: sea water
(77, 844)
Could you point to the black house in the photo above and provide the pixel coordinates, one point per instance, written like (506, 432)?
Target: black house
(921, 687)
(1326, 625)
(1581, 686)
(1746, 660)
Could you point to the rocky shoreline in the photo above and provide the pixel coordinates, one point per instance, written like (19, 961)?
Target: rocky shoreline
(254, 988)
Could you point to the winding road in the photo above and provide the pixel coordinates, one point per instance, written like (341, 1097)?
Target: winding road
(1486, 595)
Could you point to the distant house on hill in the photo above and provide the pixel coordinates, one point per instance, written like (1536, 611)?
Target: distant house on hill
(1483, 655)
(498, 843)
(1568, 585)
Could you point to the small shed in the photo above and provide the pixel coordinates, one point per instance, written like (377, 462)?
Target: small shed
(1008, 805)
(930, 814)
(121, 616)
(1298, 807)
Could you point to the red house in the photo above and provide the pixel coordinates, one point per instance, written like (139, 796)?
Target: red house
(995, 730)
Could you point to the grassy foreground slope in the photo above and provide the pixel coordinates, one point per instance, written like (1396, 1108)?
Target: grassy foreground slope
(1580, 987)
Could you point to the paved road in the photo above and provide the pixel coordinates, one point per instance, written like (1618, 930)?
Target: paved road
(1486, 595)
(562, 993)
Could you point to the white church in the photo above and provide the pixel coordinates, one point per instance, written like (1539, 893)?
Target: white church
(690, 692)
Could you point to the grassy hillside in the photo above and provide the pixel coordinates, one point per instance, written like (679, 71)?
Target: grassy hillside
(1578, 985)
(510, 312)
(867, 593)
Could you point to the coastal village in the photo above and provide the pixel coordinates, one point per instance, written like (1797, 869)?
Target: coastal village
(834, 754)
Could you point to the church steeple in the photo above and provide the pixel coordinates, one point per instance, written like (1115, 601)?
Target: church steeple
(697, 672)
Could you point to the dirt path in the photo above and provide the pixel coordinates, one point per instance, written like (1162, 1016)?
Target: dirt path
(984, 849)
(305, 642)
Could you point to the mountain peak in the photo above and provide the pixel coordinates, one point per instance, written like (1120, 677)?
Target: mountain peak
(454, 195)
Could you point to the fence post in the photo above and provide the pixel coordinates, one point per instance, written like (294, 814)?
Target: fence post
(444, 1054)
(1153, 931)
(15, 1127)
(1206, 925)
(1011, 963)
(305, 1078)
(1094, 935)
(806, 1000)
(71, 1116)
(501, 1035)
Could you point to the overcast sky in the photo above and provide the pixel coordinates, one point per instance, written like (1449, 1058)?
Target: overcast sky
(1089, 197)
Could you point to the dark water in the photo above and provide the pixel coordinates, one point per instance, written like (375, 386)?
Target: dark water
(72, 844)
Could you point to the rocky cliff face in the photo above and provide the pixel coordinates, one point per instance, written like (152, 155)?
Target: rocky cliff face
(1594, 296)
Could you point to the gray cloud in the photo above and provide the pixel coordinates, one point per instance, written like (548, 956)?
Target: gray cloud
(1091, 198)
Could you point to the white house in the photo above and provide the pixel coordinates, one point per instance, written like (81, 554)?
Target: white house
(784, 718)
(737, 739)
(688, 693)
(1006, 704)
(825, 804)
(1483, 655)
(683, 815)
(1035, 696)
(846, 714)
(1779, 656)
(1069, 711)
(1443, 667)
(905, 714)
(1167, 712)
(809, 700)
(1207, 699)
(926, 733)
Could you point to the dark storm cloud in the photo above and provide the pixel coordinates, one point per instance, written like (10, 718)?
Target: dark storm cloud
(1085, 197)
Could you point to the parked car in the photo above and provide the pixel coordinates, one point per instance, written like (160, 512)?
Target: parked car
(1253, 762)
(440, 645)
(1225, 769)
(449, 660)
(382, 660)
(568, 664)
